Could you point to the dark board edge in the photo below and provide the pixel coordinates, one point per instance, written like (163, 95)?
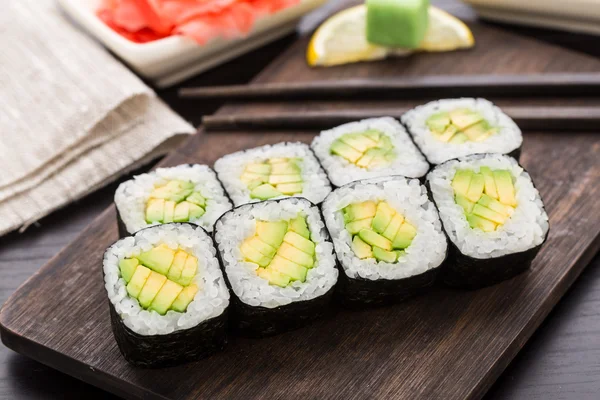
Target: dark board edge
(72, 367)
(558, 291)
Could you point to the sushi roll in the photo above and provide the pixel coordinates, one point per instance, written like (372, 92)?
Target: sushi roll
(186, 193)
(272, 172)
(367, 149)
(279, 262)
(167, 296)
(388, 239)
(452, 128)
(493, 216)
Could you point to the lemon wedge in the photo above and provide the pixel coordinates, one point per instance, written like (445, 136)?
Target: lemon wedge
(341, 38)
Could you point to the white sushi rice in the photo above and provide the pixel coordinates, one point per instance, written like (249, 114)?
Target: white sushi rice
(505, 140)
(315, 185)
(131, 196)
(211, 300)
(525, 229)
(408, 162)
(409, 198)
(234, 227)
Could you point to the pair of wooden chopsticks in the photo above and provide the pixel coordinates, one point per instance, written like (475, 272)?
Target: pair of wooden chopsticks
(530, 118)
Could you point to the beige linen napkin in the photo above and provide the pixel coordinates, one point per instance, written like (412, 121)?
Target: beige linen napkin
(72, 118)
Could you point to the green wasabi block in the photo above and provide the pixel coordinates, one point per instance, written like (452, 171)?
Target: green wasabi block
(397, 23)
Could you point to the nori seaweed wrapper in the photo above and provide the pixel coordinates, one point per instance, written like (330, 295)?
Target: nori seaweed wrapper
(158, 351)
(463, 271)
(361, 293)
(258, 321)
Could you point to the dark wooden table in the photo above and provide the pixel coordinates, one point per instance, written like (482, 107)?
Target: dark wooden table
(561, 361)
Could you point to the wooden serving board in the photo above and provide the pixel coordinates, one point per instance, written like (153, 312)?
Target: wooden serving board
(448, 344)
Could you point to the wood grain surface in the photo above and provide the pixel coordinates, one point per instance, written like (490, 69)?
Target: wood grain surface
(567, 193)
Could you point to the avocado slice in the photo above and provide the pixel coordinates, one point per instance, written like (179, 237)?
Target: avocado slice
(169, 211)
(462, 181)
(158, 259)
(357, 141)
(377, 156)
(151, 288)
(361, 249)
(279, 179)
(300, 243)
(127, 267)
(264, 192)
(248, 177)
(356, 226)
(464, 118)
(476, 187)
(495, 205)
(375, 239)
(259, 168)
(481, 223)
(399, 253)
(195, 211)
(185, 298)
(277, 160)
(476, 131)
(365, 160)
(385, 143)
(486, 213)
(155, 210)
(505, 187)
(254, 184)
(373, 134)
(189, 270)
(286, 168)
(342, 149)
(135, 285)
(262, 247)
(405, 236)
(394, 226)
(197, 199)
(295, 255)
(299, 226)
(465, 203)
(438, 123)
(356, 211)
(490, 184)
(177, 266)
(253, 255)
(289, 188)
(383, 217)
(382, 255)
(271, 232)
(289, 268)
(165, 297)
(448, 133)
(274, 277)
(458, 138)
(182, 212)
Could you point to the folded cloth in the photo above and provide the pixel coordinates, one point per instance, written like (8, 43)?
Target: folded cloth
(72, 118)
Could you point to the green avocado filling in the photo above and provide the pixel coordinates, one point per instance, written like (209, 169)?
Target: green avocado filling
(378, 231)
(274, 177)
(161, 278)
(174, 201)
(282, 250)
(459, 126)
(366, 150)
(488, 197)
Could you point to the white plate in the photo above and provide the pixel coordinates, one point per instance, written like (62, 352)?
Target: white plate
(171, 60)
(572, 15)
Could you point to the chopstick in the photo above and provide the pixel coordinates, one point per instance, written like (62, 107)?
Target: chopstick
(434, 86)
(528, 118)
